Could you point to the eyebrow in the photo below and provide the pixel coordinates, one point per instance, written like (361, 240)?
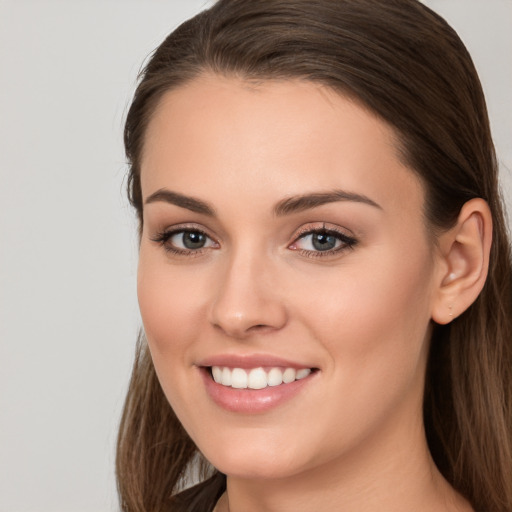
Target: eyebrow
(300, 203)
(287, 206)
(190, 203)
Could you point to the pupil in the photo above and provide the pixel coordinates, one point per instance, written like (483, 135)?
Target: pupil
(193, 240)
(324, 241)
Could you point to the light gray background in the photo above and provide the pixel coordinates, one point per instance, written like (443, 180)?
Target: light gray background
(68, 311)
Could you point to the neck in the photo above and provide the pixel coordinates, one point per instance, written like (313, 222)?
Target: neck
(393, 472)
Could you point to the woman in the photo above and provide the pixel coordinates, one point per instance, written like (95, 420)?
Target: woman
(324, 275)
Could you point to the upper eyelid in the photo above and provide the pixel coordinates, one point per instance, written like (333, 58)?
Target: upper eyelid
(163, 238)
(178, 228)
(325, 226)
(342, 236)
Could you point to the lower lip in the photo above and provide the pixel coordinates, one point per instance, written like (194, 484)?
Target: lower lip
(251, 401)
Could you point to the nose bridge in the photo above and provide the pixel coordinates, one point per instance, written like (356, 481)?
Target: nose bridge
(245, 299)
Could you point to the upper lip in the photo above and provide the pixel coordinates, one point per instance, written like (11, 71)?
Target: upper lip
(247, 361)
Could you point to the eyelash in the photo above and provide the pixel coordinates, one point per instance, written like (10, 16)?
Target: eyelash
(347, 242)
(163, 238)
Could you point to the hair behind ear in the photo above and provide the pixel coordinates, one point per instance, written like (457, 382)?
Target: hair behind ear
(468, 394)
(153, 449)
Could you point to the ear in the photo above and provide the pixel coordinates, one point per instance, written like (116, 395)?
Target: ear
(463, 261)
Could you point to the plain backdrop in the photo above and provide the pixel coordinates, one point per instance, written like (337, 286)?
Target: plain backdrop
(68, 309)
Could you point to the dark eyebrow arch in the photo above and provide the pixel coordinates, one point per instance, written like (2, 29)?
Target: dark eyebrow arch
(300, 203)
(190, 203)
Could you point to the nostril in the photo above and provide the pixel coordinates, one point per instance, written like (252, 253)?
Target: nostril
(240, 316)
(260, 327)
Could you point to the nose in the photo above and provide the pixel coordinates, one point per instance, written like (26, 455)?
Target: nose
(246, 298)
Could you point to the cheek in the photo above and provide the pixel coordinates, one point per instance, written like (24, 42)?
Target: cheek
(169, 301)
(375, 313)
(372, 321)
(170, 304)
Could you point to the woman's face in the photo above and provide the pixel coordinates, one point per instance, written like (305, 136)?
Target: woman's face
(284, 248)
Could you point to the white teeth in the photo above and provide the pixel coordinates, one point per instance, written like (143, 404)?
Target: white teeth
(217, 374)
(226, 377)
(275, 377)
(301, 374)
(239, 378)
(256, 378)
(289, 375)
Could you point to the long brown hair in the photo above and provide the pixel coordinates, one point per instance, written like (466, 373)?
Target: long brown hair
(408, 66)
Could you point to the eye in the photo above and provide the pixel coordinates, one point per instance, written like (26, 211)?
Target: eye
(184, 241)
(190, 240)
(322, 242)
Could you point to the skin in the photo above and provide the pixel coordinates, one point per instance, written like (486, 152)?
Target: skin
(353, 438)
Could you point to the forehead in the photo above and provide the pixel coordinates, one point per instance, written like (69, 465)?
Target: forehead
(270, 140)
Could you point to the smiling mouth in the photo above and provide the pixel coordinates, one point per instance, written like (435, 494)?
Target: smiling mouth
(257, 378)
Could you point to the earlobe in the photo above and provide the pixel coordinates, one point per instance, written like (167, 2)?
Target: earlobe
(463, 261)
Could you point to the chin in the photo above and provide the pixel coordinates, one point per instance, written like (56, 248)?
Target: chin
(252, 459)
(258, 469)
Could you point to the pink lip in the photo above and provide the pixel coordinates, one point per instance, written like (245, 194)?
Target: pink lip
(251, 361)
(251, 401)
